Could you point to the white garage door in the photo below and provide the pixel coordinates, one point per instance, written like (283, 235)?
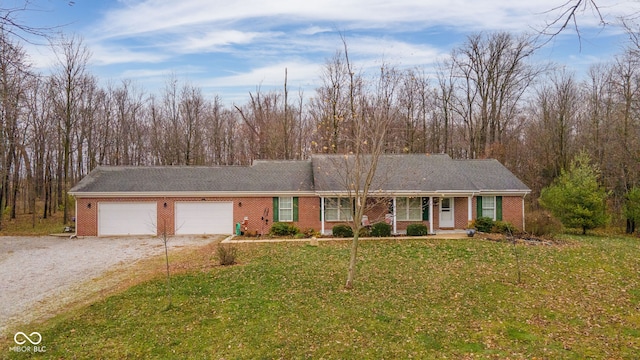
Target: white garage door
(204, 218)
(127, 218)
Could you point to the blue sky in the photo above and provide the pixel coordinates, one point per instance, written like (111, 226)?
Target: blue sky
(230, 48)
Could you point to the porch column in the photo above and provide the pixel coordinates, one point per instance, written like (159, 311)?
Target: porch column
(470, 209)
(322, 215)
(395, 227)
(431, 215)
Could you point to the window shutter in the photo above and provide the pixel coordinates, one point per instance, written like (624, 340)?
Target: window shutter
(425, 209)
(353, 207)
(295, 209)
(276, 211)
(499, 208)
(478, 206)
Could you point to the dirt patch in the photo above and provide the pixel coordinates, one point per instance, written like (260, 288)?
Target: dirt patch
(526, 239)
(39, 276)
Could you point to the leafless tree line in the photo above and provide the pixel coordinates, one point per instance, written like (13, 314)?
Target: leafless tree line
(489, 98)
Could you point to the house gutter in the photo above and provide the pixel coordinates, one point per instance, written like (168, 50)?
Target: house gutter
(143, 194)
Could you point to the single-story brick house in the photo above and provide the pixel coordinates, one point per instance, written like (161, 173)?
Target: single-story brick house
(432, 189)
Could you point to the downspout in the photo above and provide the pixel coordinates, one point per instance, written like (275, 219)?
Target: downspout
(75, 225)
(470, 209)
(322, 215)
(523, 221)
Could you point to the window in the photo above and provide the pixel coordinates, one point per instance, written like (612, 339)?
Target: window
(409, 209)
(285, 208)
(337, 209)
(489, 207)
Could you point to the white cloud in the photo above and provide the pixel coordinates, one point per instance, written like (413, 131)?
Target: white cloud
(167, 15)
(215, 40)
(252, 40)
(299, 73)
(108, 54)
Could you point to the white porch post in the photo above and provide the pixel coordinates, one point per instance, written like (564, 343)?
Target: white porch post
(322, 215)
(395, 227)
(431, 215)
(470, 209)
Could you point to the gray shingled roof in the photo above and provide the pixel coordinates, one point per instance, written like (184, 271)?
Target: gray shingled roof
(272, 176)
(402, 173)
(421, 172)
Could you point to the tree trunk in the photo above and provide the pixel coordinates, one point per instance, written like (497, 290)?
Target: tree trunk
(352, 261)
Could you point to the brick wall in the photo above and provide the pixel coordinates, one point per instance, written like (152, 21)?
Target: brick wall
(511, 210)
(257, 210)
(259, 213)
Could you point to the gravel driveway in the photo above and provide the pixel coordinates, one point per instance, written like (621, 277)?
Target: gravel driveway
(33, 269)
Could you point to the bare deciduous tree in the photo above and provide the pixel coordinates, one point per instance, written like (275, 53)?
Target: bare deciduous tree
(73, 57)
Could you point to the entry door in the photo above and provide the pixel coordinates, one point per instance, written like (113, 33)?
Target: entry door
(446, 213)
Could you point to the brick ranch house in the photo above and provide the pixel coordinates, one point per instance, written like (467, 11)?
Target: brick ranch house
(435, 190)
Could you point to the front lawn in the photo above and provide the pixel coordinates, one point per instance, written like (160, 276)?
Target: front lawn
(412, 299)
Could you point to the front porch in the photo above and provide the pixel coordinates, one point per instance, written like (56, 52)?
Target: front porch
(439, 212)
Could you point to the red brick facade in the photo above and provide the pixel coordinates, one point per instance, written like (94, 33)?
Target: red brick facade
(256, 213)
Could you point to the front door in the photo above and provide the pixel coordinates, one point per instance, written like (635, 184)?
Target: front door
(446, 213)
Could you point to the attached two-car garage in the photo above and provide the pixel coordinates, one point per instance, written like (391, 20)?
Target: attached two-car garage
(141, 218)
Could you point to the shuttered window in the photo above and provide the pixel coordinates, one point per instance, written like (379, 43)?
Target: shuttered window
(489, 206)
(285, 209)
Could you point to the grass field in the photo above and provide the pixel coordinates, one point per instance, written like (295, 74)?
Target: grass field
(28, 225)
(412, 299)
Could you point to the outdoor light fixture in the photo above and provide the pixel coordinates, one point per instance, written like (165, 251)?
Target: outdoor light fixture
(165, 205)
(89, 206)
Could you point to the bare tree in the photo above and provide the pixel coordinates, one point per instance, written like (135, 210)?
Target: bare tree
(368, 119)
(330, 106)
(490, 75)
(566, 15)
(14, 76)
(11, 24)
(73, 57)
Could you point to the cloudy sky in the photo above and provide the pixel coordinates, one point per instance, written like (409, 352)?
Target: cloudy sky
(232, 47)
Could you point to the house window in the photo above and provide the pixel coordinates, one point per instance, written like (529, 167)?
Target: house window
(489, 207)
(409, 209)
(285, 208)
(337, 209)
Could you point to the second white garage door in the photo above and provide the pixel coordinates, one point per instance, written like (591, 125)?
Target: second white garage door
(204, 218)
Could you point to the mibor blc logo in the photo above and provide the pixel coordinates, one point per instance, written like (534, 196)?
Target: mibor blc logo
(28, 343)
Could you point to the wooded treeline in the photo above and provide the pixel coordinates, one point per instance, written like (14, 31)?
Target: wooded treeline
(489, 98)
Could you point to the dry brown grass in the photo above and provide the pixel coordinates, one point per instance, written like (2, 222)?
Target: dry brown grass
(27, 225)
